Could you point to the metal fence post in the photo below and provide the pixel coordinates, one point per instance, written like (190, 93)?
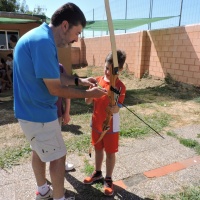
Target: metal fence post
(181, 12)
(126, 13)
(93, 20)
(150, 13)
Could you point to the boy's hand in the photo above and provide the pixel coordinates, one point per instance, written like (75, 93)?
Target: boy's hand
(113, 109)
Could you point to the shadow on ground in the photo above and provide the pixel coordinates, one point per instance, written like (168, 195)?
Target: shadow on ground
(72, 129)
(88, 192)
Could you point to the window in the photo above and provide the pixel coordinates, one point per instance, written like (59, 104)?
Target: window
(5, 39)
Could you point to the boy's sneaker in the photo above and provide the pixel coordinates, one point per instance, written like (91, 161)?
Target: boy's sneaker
(94, 177)
(46, 196)
(108, 187)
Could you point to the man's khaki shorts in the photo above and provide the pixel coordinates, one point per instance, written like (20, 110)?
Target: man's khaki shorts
(45, 138)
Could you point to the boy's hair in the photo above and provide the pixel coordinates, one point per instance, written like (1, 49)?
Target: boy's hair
(121, 56)
(69, 12)
(13, 38)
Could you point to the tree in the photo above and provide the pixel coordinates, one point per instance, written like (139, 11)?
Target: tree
(22, 7)
(39, 10)
(9, 5)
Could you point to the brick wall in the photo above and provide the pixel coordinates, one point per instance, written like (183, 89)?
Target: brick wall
(175, 51)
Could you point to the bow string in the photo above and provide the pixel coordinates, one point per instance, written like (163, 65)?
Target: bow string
(112, 94)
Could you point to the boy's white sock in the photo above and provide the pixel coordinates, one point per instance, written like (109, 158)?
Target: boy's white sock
(63, 198)
(43, 189)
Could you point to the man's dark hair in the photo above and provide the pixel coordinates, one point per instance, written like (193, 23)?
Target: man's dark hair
(121, 56)
(69, 12)
(13, 38)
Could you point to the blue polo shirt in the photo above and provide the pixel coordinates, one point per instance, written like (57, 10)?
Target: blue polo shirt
(35, 58)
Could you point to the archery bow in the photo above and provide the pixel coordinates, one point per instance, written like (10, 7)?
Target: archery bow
(113, 74)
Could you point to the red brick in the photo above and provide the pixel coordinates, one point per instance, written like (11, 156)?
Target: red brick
(180, 60)
(184, 67)
(175, 66)
(185, 54)
(194, 68)
(171, 60)
(183, 36)
(188, 74)
(177, 54)
(197, 75)
(120, 184)
(178, 72)
(164, 170)
(193, 81)
(189, 61)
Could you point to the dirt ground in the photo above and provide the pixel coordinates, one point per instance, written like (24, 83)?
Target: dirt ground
(180, 101)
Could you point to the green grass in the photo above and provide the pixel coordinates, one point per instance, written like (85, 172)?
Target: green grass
(12, 156)
(197, 99)
(193, 144)
(189, 142)
(172, 134)
(191, 193)
(79, 143)
(88, 169)
(137, 128)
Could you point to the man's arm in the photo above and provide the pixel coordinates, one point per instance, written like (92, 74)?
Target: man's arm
(57, 89)
(70, 80)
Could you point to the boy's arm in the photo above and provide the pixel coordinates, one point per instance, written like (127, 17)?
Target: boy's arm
(88, 100)
(66, 115)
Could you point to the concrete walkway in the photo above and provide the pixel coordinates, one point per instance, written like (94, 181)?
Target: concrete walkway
(145, 169)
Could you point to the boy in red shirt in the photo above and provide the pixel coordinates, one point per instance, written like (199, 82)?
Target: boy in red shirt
(109, 143)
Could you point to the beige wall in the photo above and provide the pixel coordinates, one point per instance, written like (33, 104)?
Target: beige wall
(64, 57)
(22, 28)
(174, 50)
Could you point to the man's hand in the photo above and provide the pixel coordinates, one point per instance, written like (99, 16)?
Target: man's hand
(96, 92)
(88, 81)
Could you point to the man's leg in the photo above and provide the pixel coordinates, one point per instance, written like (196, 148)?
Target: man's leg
(38, 169)
(57, 173)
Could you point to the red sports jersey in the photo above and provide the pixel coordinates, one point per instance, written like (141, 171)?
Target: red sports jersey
(100, 104)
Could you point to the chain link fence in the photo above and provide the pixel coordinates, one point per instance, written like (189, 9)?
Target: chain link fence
(185, 12)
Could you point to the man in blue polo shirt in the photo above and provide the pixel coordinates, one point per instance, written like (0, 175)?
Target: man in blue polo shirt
(37, 84)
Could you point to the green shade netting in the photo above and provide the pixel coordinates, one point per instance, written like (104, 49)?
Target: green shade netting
(97, 25)
(122, 24)
(5, 20)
